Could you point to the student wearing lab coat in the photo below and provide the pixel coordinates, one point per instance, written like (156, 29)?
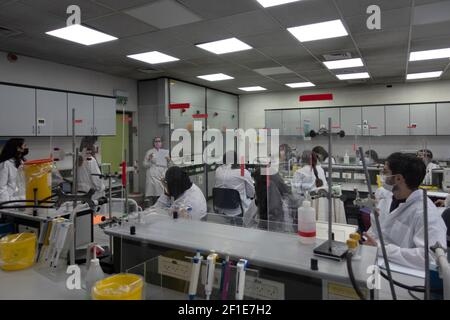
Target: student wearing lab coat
(12, 157)
(427, 158)
(401, 214)
(180, 194)
(89, 169)
(156, 162)
(322, 155)
(311, 177)
(229, 176)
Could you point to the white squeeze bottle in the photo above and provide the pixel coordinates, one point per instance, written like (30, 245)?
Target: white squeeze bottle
(307, 223)
(346, 158)
(94, 274)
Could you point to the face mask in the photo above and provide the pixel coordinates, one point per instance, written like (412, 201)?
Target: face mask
(389, 187)
(158, 145)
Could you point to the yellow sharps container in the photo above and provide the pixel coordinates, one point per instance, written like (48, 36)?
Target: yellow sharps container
(38, 176)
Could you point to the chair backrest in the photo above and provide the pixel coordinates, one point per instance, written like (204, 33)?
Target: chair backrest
(226, 199)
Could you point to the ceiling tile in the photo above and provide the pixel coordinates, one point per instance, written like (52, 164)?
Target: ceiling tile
(428, 31)
(432, 13)
(114, 25)
(164, 14)
(250, 23)
(390, 20)
(351, 8)
(212, 9)
(123, 4)
(380, 39)
(200, 32)
(158, 40)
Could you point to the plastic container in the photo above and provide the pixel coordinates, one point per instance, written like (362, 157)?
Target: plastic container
(38, 175)
(17, 251)
(94, 274)
(119, 287)
(307, 223)
(346, 158)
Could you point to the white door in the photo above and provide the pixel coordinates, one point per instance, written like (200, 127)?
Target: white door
(443, 116)
(397, 120)
(373, 121)
(351, 119)
(17, 111)
(104, 116)
(84, 114)
(51, 113)
(423, 119)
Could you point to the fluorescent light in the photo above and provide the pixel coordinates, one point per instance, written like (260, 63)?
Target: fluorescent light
(215, 77)
(430, 54)
(319, 31)
(300, 85)
(250, 89)
(271, 3)
(424, 75)
(346, 63)
(153, 57)
(224, 46)
(80, 34)
(352, 76)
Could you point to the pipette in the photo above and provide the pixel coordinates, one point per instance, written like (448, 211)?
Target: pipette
(210, 268)
(241, 268)
(196, 264)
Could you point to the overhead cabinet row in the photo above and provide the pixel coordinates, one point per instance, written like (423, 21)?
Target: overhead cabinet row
(36, 112)
(391, 120)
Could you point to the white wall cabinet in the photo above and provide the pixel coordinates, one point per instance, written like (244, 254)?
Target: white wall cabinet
(310, 117)
(18, 111)
(51, 113)
(351, 119)
(334, 114)
(291, 123)
(373, 121)
(84, 114)
(423, 119)
(443, 116)
(397, 120)
(104, 116)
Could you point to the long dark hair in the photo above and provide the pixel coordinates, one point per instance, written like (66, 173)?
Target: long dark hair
(309, 157)
(320, 152)
(9, 151)
(177, 181)
(89, 144)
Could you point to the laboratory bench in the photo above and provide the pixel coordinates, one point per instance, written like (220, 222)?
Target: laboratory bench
(277, 258)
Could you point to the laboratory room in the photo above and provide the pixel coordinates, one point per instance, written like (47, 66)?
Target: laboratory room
(224, 150)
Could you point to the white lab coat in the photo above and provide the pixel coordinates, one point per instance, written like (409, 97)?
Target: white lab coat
(304, 181)
(10, 186)
(229, 178)
(156, 169)
(428, 177)
(403, 229)
(193, 197)
(87, 181)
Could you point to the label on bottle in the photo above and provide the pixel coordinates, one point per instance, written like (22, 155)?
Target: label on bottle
(304, 234)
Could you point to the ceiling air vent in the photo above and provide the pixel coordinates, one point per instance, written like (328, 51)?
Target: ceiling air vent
(6, 32)
(150, 70)
(337, 56)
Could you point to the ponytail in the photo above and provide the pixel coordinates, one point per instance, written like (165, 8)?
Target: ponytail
(313, 162)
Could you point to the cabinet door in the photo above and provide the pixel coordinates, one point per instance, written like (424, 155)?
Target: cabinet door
(373, 121)
(84, 114)
(274, 120)
(17, 111)
(104, 116)
(310, 117)
(351, 121)
(423, 119)
(443, 116)
(332, 113)
(51, 113)
(397, 120)
(291, 123)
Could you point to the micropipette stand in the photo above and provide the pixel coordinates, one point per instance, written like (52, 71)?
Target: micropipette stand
(331, 249)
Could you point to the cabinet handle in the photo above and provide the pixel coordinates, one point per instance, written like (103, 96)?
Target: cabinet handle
(95, 130)
(33, 130)
(39, 130)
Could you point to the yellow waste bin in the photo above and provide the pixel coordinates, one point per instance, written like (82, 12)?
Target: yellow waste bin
(122, 286)
(17, 251)
(38, 176)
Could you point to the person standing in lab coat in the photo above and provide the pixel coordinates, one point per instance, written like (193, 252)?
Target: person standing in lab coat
(12, 158)
(427, 157)
(89, 169)
(228, 176)
(401, 214)
(156, 162)
(181, 195)
(322, 155)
